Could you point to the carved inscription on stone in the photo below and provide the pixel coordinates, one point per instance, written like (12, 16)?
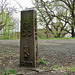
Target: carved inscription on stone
(27, 63)
(29, 33)
(26, 52)
(24, 25)
(28, 39)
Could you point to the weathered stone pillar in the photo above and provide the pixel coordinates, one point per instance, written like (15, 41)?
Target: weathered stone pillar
(28, 38)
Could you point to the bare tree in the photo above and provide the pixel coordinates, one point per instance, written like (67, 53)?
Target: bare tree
(68, 5)
(47, 14)
(7, 21)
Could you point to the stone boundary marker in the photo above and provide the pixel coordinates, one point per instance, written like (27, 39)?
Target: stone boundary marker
(28, 38)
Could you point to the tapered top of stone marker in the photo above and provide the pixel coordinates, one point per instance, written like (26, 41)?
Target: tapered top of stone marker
(29, 10)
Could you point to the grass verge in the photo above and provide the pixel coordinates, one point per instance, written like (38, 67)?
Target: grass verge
(55, 38)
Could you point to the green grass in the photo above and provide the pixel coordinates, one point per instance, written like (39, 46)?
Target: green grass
(9, 39)
(57, 67)
(64, 74)
(72, 69)
(44, 62)
(56, 38)
(0, 51)
(11, 71)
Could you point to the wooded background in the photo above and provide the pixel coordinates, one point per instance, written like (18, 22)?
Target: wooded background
(55, 18)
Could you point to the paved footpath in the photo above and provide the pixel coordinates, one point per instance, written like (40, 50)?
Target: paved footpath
(52, 50)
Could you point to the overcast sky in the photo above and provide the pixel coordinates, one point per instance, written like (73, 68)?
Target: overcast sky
(24, 3)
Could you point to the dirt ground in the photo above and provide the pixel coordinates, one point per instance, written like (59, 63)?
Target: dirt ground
(57, 52)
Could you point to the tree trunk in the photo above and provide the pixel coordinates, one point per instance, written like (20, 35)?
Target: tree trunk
(46, 31)
(73, 18)
(73, 25)
(72, 29)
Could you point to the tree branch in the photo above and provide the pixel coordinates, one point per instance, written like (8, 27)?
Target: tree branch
(46, 9)
(66, 3)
